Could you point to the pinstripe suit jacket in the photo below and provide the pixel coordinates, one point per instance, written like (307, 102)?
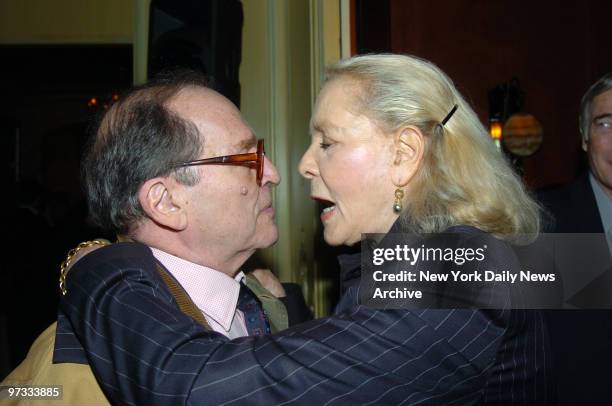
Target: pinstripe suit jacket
(143, 350)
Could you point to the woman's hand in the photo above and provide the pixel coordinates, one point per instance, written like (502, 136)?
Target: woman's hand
(269, 281)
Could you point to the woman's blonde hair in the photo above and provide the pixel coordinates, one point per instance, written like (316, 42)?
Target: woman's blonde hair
(463, 179)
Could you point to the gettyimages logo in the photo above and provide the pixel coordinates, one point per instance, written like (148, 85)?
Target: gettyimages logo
(477, 270)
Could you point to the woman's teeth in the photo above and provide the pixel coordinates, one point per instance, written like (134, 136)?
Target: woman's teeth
(328, 209)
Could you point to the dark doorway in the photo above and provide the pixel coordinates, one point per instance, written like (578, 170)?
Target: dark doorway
(51, 96)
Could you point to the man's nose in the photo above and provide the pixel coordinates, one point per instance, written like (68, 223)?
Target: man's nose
(270, 174)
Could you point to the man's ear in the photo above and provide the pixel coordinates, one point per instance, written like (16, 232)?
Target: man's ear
(585, 144)
(409, 146)
(161, 200)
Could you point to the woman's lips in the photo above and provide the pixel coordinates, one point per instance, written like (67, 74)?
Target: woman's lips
(329, 208)
(328, 213)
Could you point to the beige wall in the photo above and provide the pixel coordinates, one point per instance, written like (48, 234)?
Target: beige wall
(66, 21)
(255, 66)
(275, 81)
(78, 22)
(286, 44)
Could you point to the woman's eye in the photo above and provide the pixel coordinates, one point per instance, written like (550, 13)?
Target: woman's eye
(325, 145)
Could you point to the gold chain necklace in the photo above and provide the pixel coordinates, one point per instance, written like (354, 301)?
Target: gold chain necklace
(65, 266)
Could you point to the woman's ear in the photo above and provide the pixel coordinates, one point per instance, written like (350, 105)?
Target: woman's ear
(409, 146)
(161, 199)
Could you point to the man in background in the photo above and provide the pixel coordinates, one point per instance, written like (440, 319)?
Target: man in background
(582, 339)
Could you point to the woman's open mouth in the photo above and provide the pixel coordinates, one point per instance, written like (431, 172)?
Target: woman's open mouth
(329, 208)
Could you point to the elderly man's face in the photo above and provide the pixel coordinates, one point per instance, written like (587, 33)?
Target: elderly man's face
(228, 213)
(599, 144)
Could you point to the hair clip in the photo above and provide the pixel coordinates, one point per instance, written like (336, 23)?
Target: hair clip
(449, 115)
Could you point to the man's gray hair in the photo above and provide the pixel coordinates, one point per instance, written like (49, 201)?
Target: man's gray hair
(138, 139)
(602, 85)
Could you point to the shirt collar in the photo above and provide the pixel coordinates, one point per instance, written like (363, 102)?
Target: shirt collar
(212, 291)
(604, 204)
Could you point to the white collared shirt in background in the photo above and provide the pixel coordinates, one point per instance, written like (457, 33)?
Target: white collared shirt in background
(604, 205)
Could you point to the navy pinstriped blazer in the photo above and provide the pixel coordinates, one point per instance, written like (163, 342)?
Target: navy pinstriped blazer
(119, 317)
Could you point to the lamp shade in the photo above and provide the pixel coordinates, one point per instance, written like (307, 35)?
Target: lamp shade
(523, 134)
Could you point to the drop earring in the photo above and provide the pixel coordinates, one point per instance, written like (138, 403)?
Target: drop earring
(397, 205)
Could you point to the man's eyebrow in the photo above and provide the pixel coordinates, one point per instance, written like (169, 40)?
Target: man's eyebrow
(247, 143)
(605, 115)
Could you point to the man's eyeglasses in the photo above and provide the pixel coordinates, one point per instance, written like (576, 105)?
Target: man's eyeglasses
(253, 160)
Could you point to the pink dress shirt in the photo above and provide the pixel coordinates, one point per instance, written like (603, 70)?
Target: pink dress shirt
(213, 292)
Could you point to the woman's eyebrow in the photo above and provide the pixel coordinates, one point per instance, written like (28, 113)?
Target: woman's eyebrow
(321, 126)
(314, 126)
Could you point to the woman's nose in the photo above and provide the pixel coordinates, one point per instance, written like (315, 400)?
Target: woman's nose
(308, 166)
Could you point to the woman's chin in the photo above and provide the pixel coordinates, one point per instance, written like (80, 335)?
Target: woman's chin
(330, 240)
(336, 239)
(332, 237)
